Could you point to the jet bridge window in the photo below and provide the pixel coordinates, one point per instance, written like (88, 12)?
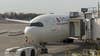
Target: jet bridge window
(38, 24)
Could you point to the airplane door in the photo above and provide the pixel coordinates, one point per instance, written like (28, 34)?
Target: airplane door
(71, 29)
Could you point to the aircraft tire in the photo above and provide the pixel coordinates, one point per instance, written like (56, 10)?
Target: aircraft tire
(68, 41)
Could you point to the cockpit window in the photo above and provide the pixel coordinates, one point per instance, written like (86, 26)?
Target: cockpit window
(38, 24)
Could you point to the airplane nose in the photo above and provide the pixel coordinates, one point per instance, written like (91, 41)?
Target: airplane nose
(28, 34)
(28, 31)
(31, 33)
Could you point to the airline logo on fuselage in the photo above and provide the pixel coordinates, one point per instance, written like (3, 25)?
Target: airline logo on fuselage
(58, 20)
(61, 20)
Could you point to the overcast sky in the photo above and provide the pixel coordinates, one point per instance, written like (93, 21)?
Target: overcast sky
(45, 6)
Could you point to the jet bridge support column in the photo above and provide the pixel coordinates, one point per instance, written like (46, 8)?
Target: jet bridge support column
(89, 41)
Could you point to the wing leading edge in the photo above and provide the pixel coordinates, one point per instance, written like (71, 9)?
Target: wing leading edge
(15, 20)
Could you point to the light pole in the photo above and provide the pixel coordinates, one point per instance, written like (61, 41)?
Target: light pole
(98, 10)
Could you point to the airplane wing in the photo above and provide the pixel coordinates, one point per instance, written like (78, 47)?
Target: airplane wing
(15, 20)
(16, 33)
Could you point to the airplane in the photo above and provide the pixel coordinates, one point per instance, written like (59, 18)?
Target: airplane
(47, 28)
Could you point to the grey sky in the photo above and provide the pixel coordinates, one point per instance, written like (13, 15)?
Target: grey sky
(40, 6)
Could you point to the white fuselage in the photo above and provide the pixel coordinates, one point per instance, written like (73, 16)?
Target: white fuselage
(47, 28)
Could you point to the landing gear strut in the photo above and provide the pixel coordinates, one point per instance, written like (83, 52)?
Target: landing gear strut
(44, 49)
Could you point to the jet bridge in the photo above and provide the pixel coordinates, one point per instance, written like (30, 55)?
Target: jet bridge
(81, 25)
(76, 27)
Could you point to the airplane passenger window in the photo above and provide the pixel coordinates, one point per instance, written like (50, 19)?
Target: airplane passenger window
(38, 24)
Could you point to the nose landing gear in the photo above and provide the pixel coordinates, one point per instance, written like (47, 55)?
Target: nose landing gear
(44, 49)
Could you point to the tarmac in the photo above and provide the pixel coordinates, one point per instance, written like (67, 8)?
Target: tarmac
(7, 38)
